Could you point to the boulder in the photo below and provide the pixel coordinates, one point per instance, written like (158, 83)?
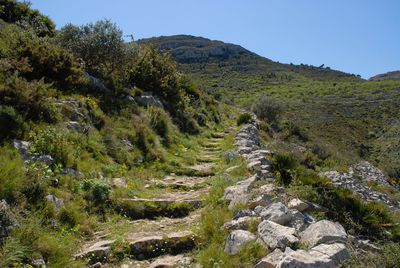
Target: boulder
(277, 212)
(336, 252)
(271, 260)
(149, 100)
(236, 240)
(323, 232)
(276, 235)
(298, 204)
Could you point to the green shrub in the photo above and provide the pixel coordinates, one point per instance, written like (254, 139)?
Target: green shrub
(63, 146)
(284, 167)
(12, 174)
(100, 45)
(244, 119)
(267, 108)
(12, 124)
(20, 13)
(12, 253)
(161, 123)
(99, 192)
(70, 216)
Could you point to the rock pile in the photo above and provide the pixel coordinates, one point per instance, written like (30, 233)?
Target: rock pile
(281, 225)
(355, 179)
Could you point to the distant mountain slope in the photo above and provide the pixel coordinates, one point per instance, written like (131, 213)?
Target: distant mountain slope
(395, 75)
(201, 55)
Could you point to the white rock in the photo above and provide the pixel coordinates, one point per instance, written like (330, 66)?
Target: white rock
(276, 235)
(297, 204)
(236, 240)
(242, 223)
(277, 212)
(271, 260)
(323, 232)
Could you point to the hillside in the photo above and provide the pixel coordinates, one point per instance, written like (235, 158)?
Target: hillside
(395, 75)
(323, 104)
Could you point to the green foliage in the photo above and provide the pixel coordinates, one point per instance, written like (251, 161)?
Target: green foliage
(244, 119)
(70, 215)
(100, 45)
(12, 123)
(62, 145)
(389, 257)
(12, 174)
(284, 167)
(161, 123)
(12, 253)
(372, 219)
(268, 108)
(38, 58)
(98, 191)
(20, 13)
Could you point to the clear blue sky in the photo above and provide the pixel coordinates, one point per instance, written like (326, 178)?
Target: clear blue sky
(356, 36)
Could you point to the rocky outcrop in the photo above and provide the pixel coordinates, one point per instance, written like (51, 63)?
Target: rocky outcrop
(24, 149)
(97, 252)
(148, 100)
(356, 178)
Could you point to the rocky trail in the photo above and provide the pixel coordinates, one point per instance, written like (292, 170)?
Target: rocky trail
(285, 225)
(161, 230)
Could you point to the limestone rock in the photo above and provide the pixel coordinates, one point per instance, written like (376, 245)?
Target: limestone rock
(271, 260)
(236, 240)
(156, 245)
(119, 183)
(169, 261)
(277, 212)
(276, 235)
(323, 232)
(149, 100)
(98, 252)
(337, 252)
(298, 204)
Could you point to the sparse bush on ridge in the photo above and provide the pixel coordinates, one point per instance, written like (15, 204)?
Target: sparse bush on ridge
(268, 108)
(244, 119)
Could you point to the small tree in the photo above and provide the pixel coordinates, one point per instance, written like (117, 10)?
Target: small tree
(100, 45)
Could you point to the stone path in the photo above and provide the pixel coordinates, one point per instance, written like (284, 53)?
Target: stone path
(160, 233)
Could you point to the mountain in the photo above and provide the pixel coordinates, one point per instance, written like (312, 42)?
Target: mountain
(395, 75)
(198, 54)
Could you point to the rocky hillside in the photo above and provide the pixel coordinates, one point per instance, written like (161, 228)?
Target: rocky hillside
(198, 55)
(395, 75)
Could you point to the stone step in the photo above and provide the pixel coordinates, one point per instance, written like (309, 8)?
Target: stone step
(153, 245)
(96, 251)
(147, 208)
(181, 182)
(218, 135)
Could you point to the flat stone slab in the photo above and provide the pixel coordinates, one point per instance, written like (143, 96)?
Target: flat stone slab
(97, 252)
(276, 235)
(142, 208)
(151, 246)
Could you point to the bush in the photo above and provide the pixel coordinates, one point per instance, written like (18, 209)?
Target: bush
(268, 108)
(100, 45)
(12, 124)
(161, 123)
(284, 167)
(20, 13)
(12, 174)
(63, 146)
(244, 119)
(389, 257)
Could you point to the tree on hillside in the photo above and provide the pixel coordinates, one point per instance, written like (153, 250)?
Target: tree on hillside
(100, 45)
